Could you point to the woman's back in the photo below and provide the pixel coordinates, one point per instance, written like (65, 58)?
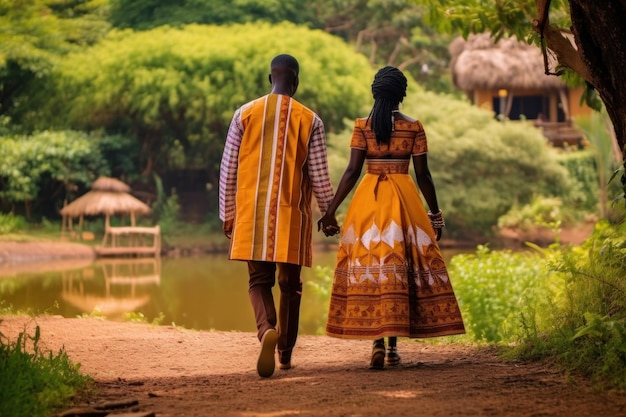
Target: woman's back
(407, 139)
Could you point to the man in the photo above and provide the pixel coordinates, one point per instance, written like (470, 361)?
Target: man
(274, 160)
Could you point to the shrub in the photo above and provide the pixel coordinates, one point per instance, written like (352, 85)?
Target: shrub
(585, 322)
(481, 167)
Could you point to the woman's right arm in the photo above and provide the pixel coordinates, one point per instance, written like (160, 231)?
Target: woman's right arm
(348, 180)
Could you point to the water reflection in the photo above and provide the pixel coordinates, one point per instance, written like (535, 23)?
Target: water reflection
(203, 293)
(125, 281)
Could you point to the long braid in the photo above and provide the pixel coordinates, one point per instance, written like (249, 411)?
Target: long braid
(388, 89)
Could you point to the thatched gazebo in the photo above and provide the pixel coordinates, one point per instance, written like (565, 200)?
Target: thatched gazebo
(108, 197)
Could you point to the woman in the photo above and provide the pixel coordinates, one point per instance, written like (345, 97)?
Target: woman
(390, 279)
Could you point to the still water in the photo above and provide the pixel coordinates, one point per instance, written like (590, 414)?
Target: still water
(202, 293)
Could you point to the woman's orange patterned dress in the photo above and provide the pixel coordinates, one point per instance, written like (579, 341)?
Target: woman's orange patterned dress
(390, 278)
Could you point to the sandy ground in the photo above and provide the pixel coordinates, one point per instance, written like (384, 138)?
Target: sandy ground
(176, 372)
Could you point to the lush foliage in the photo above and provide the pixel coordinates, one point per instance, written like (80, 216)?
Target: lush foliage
(565, 303)
(541, 212)
(605, 157)
(175, 89)
(34, 382)
(50, 161)
(583, 172)
(10, 223)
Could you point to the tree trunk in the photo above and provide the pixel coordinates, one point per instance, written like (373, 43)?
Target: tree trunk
(600, 32)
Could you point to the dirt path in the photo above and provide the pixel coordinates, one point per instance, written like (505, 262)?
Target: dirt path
(177, 372)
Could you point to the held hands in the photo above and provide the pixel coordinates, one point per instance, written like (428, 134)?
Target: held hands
(328, 225)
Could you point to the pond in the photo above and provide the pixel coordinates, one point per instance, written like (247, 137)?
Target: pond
(202, 293)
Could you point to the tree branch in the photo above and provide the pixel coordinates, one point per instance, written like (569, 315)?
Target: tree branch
(565, 52)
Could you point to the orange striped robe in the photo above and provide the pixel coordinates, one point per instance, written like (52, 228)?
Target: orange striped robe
(273, 219)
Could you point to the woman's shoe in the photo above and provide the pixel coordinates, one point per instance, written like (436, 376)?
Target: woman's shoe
(392, 358)
(378, 355)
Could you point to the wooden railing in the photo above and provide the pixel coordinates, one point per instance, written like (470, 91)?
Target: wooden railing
(130, 240)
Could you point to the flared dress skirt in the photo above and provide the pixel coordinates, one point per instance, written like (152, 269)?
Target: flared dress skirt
(390, 277)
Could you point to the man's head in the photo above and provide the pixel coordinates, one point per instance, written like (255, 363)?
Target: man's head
(284, 74)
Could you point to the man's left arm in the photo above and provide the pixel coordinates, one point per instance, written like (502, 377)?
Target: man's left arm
(228, 174)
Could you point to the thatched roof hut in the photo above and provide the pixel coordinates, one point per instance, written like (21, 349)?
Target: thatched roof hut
(108, 196)
(508, 77)
(480, 64)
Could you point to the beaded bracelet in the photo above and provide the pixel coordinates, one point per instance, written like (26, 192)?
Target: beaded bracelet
(436, 219)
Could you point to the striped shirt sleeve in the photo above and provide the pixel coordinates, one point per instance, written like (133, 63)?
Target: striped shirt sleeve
(318, 166)
(228, 168)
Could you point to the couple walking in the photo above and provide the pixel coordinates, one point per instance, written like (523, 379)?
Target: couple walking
(390, 279)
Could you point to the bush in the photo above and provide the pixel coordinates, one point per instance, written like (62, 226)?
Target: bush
(33, 382)
(585, 321)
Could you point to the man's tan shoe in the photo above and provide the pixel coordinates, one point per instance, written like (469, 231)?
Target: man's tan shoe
(265, 365)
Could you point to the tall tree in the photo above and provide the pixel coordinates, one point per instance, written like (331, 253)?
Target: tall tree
(587, 38)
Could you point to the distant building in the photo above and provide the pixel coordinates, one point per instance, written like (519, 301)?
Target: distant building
(508, 78)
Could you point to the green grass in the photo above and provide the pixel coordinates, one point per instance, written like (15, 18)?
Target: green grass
(34, 382)
(494, 288)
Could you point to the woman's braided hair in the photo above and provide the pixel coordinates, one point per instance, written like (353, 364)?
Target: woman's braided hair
(388, 89)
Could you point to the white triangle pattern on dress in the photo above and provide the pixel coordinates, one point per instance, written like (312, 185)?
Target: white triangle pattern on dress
(371, 235)
(392, 234)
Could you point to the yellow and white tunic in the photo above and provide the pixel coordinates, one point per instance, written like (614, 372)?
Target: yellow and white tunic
(390, 278)
(274, 161)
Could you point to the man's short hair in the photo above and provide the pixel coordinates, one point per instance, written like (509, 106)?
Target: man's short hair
(288, 61)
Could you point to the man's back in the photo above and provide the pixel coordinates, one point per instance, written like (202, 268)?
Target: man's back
(273, 202)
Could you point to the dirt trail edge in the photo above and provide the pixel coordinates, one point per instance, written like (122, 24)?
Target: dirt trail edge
(177, 372)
